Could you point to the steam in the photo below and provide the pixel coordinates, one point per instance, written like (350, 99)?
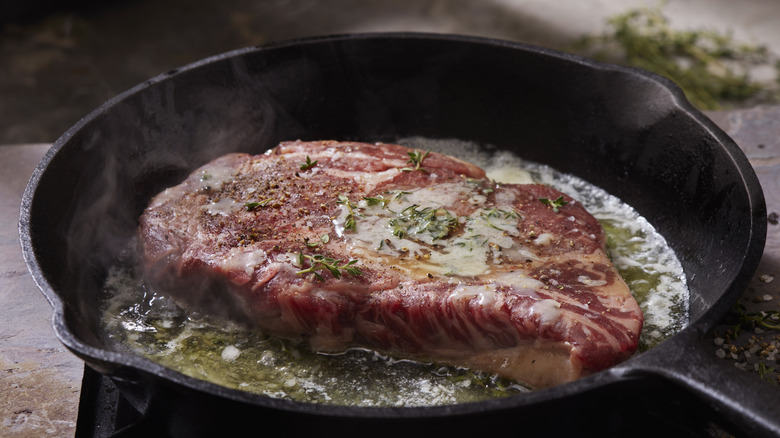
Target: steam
(151, 138)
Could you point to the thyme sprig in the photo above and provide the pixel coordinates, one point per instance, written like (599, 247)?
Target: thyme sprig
(767, 319)
(416, 160)
(308, 164)
(376, 200)
(554, 203)
(349, 222)
(498, 213)
(711, 67)
(319, 262)
(438, 222)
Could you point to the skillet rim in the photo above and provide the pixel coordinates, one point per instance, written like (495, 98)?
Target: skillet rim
(112, 362)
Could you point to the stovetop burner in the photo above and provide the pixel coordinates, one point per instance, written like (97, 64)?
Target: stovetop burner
(105, 413)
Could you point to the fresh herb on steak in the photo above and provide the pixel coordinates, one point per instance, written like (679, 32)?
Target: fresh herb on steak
(500, 213)
(438, 222)
(497, 213)
(415, 159)
(324, 239)
(349, 222)
(308, 164)
(372, 201)
(555, 204)
(250, 206)
(319, 262)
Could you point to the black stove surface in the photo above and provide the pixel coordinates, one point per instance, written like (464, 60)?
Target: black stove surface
(105, 413)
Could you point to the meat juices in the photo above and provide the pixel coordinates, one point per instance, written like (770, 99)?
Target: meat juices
(413, 254)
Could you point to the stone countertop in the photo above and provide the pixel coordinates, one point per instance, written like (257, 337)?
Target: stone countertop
(40, 380)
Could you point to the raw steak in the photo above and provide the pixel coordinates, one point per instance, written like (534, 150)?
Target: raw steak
(411, 254)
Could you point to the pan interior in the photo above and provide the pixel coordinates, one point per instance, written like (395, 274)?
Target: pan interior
(139, 320)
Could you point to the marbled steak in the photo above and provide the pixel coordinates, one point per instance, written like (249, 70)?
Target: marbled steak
(413, 254)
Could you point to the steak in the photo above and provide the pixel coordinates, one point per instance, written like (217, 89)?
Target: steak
(413, 254)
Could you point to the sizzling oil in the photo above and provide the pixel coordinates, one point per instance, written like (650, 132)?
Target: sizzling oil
(140, 321)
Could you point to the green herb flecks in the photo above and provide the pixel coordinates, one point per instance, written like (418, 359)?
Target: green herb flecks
(712, 69)
(498, 214)
(349, 221)
(401, 194)
(251, 206)
(376, 200)
(308, 164)
(415, 161)
(766, 319)
(764, 372)
(323, 240)
(318, 262)
(413, 220)
(554, 203)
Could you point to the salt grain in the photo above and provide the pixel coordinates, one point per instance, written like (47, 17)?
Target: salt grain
(230, 353)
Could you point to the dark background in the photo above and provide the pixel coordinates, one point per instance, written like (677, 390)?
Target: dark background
(61, 59)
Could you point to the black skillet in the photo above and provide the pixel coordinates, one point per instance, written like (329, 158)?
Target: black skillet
(630, 132)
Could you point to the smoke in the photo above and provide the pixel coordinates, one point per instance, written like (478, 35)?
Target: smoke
(146, 140)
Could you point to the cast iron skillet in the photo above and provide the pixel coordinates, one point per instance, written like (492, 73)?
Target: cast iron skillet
(630, 132)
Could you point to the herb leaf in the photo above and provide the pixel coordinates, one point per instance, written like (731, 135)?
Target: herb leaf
(319, 262)
(250, 206)
(349, 223)
(767, 319)
(308, 164)
(555, 204)
(416, 159)
(371, 201)
(438, 222)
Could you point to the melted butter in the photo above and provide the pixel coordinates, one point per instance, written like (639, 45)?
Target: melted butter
(396, 228)
(223, 207)
(243, 260)
(485, 294)
(215, 176)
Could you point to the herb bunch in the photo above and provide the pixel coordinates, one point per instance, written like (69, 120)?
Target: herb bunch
(710, 67)
(438, 222)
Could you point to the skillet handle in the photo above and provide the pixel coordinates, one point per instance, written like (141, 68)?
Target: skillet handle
(747, 403)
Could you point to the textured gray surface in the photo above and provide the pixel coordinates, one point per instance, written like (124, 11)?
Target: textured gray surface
(40, 380)
(753, 348)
